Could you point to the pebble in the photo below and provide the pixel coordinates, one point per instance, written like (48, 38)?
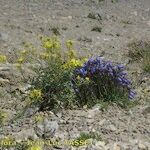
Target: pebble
(46, 128)
(70, 17)
(116, 147)
(3, 36)
(141, 146)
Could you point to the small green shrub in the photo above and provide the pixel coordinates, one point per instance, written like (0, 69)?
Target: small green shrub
(92, 135)
(91, 16)
(97, 29)
(140, 51)
(94, 16)
(55, 31)
(21, 146)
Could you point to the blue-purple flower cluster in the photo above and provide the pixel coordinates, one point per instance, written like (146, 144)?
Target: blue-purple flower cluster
(99, 67)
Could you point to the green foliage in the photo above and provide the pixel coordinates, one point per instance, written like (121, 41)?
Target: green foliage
(55, 85)
(92, 135)
(55, 31)
(140, 51)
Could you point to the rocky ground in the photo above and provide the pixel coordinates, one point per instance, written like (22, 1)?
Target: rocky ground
(119, 22)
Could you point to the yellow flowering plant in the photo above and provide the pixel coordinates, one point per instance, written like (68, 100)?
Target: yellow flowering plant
(3, 59)
(44, 55)
(54, 78)
(24, 52)
(20, 60)
(35, 94)
(72, 64)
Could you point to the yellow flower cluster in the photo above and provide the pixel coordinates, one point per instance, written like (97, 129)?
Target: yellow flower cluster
(20, 60)
(86, 79)
(71, 54)
(44, 55)
(51, 43)
(48, 44)
(72, 63)
(3, 58)
(35, 94)
(18, 65)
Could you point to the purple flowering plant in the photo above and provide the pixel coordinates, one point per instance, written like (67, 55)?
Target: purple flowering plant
(106, 81)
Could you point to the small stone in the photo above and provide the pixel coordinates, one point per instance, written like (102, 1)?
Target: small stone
(70, 17)
(112, 127)
(25, 135)
(141, 146)
(50, 128)
(4, 81)
(146, 110)
(39, 130)
(102, 122)
(46, 128)
(100, 143)
(116, 147)
(30, 111)
(24, 88)
(3, 36)
(93, 112)
(148, 23)
(59, 115)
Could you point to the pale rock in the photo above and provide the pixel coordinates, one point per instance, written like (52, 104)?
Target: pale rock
(46, 128)
(100, 144)
(112, 127)
(116, 147)
(61, 135)
(30, 111)
(70, 17)
(25, 135)
(148, 23)
(3, 36)
(141, 146)
(93, 112)
(24, 88)
(4, 81)
(5, 68)
(102, 122)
